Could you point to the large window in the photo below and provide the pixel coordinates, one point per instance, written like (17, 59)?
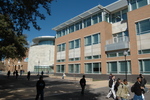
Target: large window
(119, 16)
(144, 66)
(143, 27)
(144, 51)
(74, 44)
(60, 68)
(135, 4)
(61, 47)
(74, 68)
(117, 54)
(92, 68)
(92, 39)
(87, 22)
(119, 67)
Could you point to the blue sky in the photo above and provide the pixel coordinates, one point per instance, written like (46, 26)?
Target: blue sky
(61, 11)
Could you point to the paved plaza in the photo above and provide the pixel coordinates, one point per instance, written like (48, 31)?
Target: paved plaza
(56, 89)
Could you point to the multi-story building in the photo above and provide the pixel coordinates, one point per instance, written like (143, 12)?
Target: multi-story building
(111, 39)
(41, 54)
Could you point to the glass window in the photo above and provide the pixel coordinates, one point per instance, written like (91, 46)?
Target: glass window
(88, 40)
(77, 68)
(71, 29)
(63, 46)
(71, 45)
(120, 53)
(143, 27)
(88, 68)
(88, 57)
(99, 17)
(58, 34)
(96, 67)
(76, 59)
(124, 14)
(77, 43)
(71, 59)
(133, 4)
(87, 22)
(95, 19)
(142, 3)
(146, 51)
(95, 38)
(112, 67)
(58, 48)
(123, 66)
(96, 56)
(71, 68)
(112, 54)
(58, 68)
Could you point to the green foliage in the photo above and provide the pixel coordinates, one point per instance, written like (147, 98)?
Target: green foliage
(24, 12)
(15, 16)
(12, 45)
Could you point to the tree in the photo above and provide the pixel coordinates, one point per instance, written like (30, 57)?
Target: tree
(15, 16)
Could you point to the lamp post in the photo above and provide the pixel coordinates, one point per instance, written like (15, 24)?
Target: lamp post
(125, 54)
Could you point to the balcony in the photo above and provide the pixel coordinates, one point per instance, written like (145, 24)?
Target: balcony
(117, 44)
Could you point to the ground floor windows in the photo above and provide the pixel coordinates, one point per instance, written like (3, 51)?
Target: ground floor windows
(119, 67)
(144, 66)
(92, 68)
(74, 68)
(43, 68)
(60, 68)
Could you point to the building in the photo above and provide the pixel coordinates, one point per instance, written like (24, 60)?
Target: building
(102, 40)
(41, 54)
(15, 64)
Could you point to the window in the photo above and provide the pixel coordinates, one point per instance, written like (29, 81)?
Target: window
(74, 68)
(71, 59)
(143, 27)
(76, 59)
(61, 47)
(77, 43)
(92, 68)
(71, 29)
(96, 56)
(74, 44)
(135, 4)
(96, 38)
(88, 57)
(88, 40)
(144, 66)
(87, 22)
(58, 34)
(146, 51)
(60, 68)
(119, 16)
(92, 39)
(71, 45)
(112, 54)
(95, 19)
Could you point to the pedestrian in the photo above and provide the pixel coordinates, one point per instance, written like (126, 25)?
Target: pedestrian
(16, 74)
(138, 90)
(63, 76)
(8, 73)
(111, 86)
(42, 73)
(123, 91)
(28, 76)
(110, 76)
(82, 84)
(118, 82)
(143, 83)
(40, 85)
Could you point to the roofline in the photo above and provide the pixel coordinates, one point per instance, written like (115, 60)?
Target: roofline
(78, 17)
(38, 39)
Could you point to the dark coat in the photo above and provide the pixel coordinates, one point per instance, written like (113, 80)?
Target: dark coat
(40, 85)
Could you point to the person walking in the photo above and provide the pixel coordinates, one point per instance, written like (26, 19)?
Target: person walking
(111, 86)
(16, 74)
(42, 73)
(118, 82)
(138, 90)
(28, 75)
(8, 74)
(40, 85)
(143, 83)
(82, 84)
(123, 91)
(63, 76)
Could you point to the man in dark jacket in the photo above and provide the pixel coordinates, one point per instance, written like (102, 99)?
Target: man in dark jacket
(40, 85)
(138, 90)
(82, 84)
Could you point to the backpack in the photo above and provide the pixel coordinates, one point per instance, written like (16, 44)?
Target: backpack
(133, 88)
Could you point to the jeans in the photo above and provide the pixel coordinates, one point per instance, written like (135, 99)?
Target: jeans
(40, 92)
(136, 97)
